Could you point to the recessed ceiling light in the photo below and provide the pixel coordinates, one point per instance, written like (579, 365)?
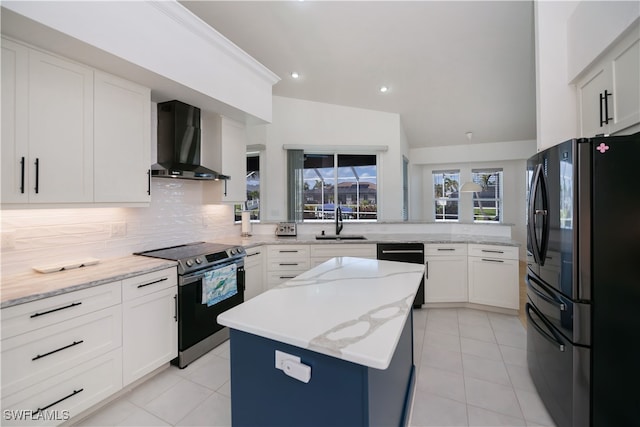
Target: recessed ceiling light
(295, 75)
(384, 89)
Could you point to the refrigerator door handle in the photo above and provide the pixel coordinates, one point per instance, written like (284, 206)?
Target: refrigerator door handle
(551, 337)
(544, 295)
(535, 247)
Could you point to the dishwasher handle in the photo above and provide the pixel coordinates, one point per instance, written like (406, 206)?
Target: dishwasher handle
(402, 251)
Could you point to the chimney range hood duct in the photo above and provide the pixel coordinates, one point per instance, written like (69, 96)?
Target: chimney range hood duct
(179, 144)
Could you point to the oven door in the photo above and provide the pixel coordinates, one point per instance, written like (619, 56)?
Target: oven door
(197, 320)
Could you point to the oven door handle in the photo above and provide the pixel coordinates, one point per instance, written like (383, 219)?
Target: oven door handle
(551, 337)
(194, 277)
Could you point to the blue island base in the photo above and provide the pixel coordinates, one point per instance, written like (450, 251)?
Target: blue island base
(340, 393)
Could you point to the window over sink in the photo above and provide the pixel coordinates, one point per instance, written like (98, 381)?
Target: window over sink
(446, 184)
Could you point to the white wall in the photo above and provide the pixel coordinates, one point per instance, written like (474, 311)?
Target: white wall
(316, 125)
(556, 102)
(176, 216)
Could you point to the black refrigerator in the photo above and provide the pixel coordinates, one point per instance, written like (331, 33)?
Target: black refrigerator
(583, 280)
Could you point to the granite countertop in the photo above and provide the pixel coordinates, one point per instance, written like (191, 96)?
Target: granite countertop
(32, 286)
(305, 239)
(350, 308)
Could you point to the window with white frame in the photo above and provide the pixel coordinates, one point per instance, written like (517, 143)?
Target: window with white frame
(446, 196)
(487, 203)
(330, 180)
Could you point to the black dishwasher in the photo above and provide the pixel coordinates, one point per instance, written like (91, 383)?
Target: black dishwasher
(405, 252)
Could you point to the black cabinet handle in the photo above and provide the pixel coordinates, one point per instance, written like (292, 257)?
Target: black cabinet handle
(492, 260)
(40, 356)
(446, 249)
(175, 300)
(153, 283)
(55, 309)
(225, 188)
(149, 182)
(37, 163)
(284, 251)
(426, 266)
(492, 251)
(288, 263)
(22, 175)
(287, 277)
(57, 401)
(254, 254)
(606, 107)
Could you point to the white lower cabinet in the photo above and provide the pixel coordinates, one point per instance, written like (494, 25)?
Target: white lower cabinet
(150, 323)
(493, 276)
(446, 273)
(62, 355)
(285, 262)
(254, 273)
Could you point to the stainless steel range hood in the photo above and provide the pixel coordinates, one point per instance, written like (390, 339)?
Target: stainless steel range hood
(179, 137)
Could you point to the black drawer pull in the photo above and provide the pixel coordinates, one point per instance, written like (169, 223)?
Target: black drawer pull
(55, 309)
(153, 283)
(288, 263)
(257, 253)
(57, 401)
(22, 175)
(287, 277)
(40, 356)
(492, 260)
(282, 251)
(446, 249)
(492, 251)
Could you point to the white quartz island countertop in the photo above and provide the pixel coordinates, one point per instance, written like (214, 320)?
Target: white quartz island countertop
(350, 308)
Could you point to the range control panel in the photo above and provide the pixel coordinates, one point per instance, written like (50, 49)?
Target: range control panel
(286, 229)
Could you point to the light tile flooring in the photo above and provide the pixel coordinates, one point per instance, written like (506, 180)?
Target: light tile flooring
(471, 371)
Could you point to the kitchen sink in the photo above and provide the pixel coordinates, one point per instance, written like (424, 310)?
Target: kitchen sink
(340, 237)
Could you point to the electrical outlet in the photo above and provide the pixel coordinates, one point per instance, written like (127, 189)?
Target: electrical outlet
(281, 356)
(118, 229)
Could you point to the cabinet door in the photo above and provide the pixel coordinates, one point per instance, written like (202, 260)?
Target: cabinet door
(122, 140)
(150, 333)
(626, 87)
(592, 110)
(15, 154)
(446, 279)
(494, 281)
(254, 273)
(60, 130)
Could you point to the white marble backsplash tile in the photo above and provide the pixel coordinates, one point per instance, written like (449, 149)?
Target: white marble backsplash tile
(175, 216)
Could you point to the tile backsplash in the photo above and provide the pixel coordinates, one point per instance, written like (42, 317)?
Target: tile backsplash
(176, 215)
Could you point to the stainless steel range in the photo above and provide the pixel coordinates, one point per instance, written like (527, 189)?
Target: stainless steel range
(210, 281)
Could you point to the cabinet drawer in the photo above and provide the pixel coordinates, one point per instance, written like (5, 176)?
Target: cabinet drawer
(65, 395)
(27, 317)
(445, 249)
(145, 284)
(30, 358)
(354, 250)
(288, 265)
(276, 278)
(493, 251)
(288, 252)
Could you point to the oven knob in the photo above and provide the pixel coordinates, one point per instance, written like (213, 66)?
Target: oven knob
(233, 251)
(189, 263)
(199, 260)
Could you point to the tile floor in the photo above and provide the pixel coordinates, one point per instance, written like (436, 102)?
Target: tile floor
(471, 371)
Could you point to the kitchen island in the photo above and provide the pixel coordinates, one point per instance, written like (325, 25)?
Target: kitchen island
(334, 346)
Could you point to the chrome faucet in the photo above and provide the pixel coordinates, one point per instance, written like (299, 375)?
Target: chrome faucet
(338, 220)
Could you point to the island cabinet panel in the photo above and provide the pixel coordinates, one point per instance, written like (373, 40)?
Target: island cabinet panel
(339, 393)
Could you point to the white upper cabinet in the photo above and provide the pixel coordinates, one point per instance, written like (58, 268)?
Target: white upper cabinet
(224, 147)
(609, 94)
(15, 107)
(122, 140)
(48, 150)
(60, 130)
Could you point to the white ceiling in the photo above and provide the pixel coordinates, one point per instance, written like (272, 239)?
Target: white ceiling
(451, 66)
